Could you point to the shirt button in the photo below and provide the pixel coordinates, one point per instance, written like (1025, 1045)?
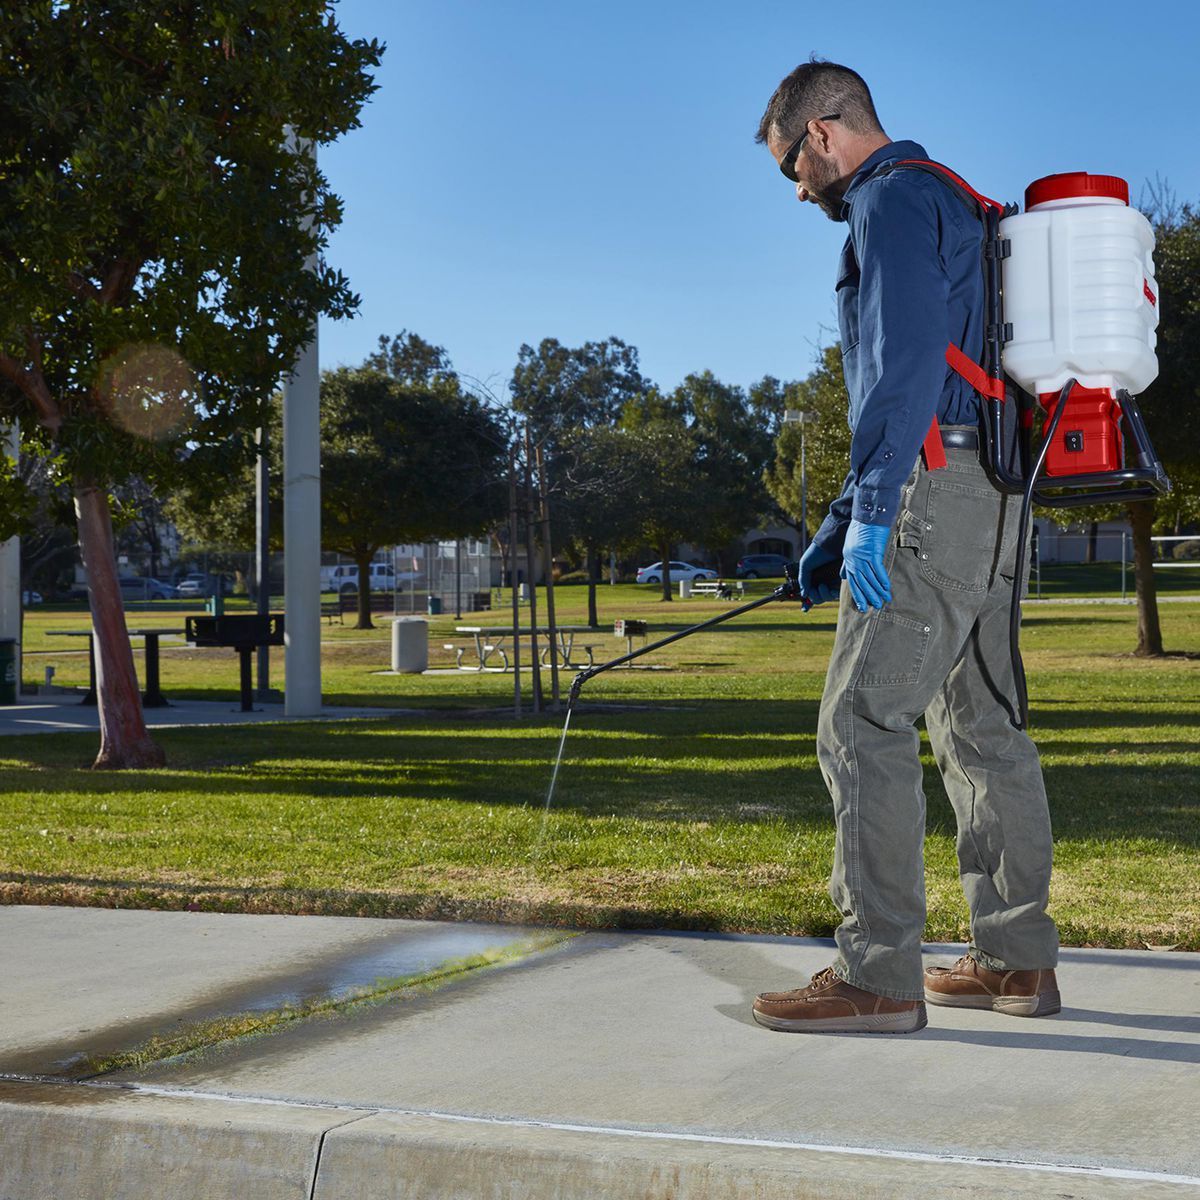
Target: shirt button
(887, 454)
(868, 508)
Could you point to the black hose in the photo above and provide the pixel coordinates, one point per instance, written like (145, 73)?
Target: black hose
(1014, 615)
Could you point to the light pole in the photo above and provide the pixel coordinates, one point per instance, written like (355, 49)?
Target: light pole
(795, 416)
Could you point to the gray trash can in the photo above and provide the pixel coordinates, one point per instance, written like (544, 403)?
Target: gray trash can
(434, 606)
(410, 645)
(8, 670)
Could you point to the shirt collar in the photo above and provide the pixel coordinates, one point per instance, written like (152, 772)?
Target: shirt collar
(892, 152)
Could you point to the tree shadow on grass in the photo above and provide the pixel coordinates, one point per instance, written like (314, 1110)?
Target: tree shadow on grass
(682, 765)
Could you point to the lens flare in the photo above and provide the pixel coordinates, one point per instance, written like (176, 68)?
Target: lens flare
(148, 390)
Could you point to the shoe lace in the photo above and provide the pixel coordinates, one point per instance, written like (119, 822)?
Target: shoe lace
(823, 977)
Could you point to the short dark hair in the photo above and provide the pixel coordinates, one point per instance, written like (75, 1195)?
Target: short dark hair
(813, 89)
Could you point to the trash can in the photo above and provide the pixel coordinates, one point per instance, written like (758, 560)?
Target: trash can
(8, 670)
(685, 589)
(433, 606)
(410, 645)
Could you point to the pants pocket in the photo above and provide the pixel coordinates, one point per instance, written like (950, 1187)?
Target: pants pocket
(959, 535)
(897, 650)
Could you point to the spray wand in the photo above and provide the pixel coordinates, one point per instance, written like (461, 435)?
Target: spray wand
(788, 590)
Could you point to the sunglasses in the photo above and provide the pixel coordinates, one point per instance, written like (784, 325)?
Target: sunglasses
(787, 164)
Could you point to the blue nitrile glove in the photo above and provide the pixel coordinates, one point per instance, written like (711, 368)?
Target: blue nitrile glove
(815, 556)
(862, 564)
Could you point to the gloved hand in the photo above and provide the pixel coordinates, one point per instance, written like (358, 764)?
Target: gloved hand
(815, 593)
(862, 565)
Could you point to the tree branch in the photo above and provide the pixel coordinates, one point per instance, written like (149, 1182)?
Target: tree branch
(32, 384)
(83, 287)
(118, 279)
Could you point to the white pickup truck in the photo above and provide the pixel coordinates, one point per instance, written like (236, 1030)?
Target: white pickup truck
(344, 578)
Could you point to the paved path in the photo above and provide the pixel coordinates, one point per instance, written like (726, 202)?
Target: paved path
(64, 714)
(606, 1064)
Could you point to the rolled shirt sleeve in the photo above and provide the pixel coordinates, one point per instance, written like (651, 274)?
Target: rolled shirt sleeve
(895, 225)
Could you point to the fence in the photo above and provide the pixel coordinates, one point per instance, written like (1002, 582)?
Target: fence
(1101, 564)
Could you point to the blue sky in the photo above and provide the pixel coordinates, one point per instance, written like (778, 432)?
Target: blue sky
(583, 169)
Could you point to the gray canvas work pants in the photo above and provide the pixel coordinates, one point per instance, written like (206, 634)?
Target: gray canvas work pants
(941, 648)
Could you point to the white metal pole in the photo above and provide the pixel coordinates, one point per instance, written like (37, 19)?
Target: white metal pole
(302, 529)
(803, 494)
(10, 560)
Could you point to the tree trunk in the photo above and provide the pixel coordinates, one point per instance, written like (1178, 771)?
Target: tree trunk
(1141, 517)
(124, 741)
(363, 562)
(665, 552)
(592, 557)
(1090, 554)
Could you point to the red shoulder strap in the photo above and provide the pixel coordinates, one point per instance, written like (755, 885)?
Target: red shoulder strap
(926, 163)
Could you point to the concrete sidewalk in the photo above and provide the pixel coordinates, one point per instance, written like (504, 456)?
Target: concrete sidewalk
(603, 1065)
(64, 714)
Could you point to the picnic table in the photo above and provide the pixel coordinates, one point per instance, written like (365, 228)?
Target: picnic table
(152, 697)
(490, 640)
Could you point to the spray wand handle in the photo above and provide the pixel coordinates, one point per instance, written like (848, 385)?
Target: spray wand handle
(788, 590)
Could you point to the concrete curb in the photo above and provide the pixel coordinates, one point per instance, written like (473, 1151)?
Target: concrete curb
(109, 1142)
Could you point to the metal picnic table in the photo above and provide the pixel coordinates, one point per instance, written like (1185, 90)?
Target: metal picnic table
(490, 640)
(152, 697)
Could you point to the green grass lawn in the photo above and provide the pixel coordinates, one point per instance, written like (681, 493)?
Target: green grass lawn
(689, 797)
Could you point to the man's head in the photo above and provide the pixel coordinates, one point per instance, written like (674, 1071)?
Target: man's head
(821, 126)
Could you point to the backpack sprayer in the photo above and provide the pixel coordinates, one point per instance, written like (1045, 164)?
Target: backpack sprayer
(1071, 308)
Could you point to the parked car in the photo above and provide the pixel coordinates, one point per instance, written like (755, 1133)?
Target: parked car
(29, 597)
(679, 570)
(142, 587)
(761, 566)
(344, 578)
(195, 584)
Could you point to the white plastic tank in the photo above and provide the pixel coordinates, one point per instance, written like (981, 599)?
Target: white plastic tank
(1079, 287)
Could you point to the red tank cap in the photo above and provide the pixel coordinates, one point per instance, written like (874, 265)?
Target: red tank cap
(1071, 185)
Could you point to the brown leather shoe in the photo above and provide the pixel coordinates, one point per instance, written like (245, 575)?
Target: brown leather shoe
(830, 1005)
(969, 985)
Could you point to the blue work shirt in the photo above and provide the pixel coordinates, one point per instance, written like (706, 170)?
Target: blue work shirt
(910, 280)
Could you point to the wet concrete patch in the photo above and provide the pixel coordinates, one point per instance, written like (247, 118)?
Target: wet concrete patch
(88, 985)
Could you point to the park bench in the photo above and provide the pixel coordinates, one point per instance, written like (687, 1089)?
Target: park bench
(723, 589)
(331, 609)
(347, 602)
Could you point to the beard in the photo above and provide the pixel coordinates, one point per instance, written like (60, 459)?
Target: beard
(826, 188)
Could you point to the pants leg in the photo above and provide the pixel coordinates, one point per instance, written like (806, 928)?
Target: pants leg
(994, 780)
(953, 539)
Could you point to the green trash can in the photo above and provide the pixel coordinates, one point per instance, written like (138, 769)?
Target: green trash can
(8, 670)
(434, 606)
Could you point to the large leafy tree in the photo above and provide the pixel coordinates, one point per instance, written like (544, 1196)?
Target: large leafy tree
(562, 389)
(826, 442)
(733, 448)
(1171, 404)
(601, 480)
(155, 223)
(564, 393)
(404, 461)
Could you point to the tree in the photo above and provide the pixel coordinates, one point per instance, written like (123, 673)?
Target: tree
(1171, 405)
(665, 486)
(600, 483)
(733, 449)
(827, 442)
(562, 389)
(404, 461)
(155, 224)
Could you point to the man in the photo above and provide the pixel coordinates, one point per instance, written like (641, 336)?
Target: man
(927, 563)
